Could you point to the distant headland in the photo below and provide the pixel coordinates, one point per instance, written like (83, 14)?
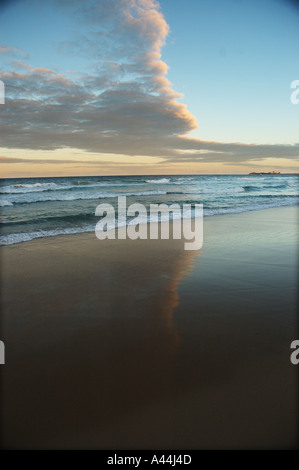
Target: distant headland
(265, 173)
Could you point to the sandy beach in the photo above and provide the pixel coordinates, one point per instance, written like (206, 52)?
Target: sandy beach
(140, 344)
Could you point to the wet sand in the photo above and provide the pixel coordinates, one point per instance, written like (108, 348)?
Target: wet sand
(122, 344)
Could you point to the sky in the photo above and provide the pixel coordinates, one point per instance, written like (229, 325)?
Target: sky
(104, 87)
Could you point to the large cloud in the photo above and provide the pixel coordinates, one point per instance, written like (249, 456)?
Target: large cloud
(125, 104)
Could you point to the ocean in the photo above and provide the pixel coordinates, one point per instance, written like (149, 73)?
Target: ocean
(43, 207)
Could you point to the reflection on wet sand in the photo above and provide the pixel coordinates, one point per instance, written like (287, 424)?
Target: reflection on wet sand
(88, 347)
(170, 299)
(102, 353)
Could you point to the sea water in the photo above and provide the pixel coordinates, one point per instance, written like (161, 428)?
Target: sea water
(42, 207)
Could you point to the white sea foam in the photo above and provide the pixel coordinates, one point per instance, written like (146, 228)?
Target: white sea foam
(247, 208)
(225, 190)
(14, 238)
(31, 198)
(20, 237)
(159, 181)
(4, 203)
(42, 187)
(28, 188)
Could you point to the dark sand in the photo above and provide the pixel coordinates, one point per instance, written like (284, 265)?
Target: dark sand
(140, 344)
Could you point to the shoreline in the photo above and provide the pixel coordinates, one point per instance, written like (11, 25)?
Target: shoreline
(140, 344)
(92, 232)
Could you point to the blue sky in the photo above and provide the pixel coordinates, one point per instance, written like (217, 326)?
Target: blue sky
(234, 61)
(88, 82)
